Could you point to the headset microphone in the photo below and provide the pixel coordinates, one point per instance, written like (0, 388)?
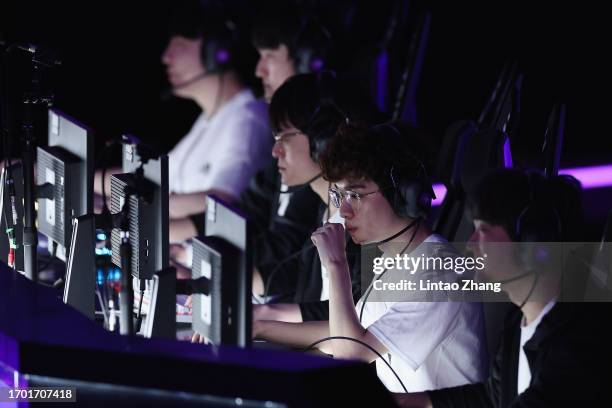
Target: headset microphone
(518, 277)
(169, 92)
(299, 187)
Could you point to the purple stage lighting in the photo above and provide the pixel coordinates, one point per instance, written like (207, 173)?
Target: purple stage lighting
(590, 177)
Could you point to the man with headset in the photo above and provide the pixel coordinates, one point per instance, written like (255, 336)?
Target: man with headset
(288, 44)
(230, 140)
(552, 353)
(383, 193)
(283, 213)
(305, 113)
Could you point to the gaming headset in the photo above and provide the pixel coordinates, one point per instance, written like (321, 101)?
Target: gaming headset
(219, 46)
(310, 46)
(537, 224)
(412, 194)
(328, 95)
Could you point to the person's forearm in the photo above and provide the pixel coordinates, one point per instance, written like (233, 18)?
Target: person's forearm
(282, 312)
(107, 186)
(184, 205)
(342, 316)
(182, 229)
(298, 335)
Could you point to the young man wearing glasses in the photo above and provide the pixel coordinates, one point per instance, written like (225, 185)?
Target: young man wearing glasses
(429, 345)
(305, 112)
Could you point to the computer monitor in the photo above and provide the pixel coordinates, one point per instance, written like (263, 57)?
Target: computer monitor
(64, 178)
(148, 217)
(224, 257)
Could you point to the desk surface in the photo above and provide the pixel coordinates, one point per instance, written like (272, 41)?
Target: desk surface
(40, 335)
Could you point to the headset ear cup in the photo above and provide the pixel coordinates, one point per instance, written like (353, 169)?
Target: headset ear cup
(216, 56)
(310, 46)
(219, 47)
(537, 225)
(318, 143)
(206, 56)
(412, 200)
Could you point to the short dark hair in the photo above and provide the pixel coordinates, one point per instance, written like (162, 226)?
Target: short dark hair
(210, 20)
(191, 20)
(282, 23)
(362, 152)
(332, 99)
(277, 23)
(501, 195)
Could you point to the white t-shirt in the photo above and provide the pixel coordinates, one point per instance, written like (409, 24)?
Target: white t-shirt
(223, 152)
(431, 345)
(527, 332)
(335, 218)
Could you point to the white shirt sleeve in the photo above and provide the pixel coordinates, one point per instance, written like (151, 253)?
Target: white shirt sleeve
(245, 152)
(179, 162)
(412, 330)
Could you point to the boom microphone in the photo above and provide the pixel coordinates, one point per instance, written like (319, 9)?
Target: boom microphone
(169, 93)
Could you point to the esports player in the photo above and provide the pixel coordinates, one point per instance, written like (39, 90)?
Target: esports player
(287, 44)
(230, 140)
(552, 353)
(383, 194)
(305, 113)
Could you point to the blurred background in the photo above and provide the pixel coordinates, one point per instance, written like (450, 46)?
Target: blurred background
(111, 76)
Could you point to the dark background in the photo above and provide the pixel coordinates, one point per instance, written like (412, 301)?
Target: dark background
(112, 76)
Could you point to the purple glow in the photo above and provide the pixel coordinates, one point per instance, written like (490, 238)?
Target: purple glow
(440, 191)
(316, 65)
(223, 56)
(592, 176)
(381, 96)
(507, 154)
(589, 177)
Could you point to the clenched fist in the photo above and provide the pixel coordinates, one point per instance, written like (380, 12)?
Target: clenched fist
(330, 242)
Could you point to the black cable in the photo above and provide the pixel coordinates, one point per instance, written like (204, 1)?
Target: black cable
(282, 262)
(400, 232)
(301, 251)
(363, 344)
(533, 285)
(418, 225)
(300, 187)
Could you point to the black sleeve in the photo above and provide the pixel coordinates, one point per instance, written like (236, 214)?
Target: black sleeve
(465, 396)
(260, 199)
(573, 365)
(319, 310)
(284, 239)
